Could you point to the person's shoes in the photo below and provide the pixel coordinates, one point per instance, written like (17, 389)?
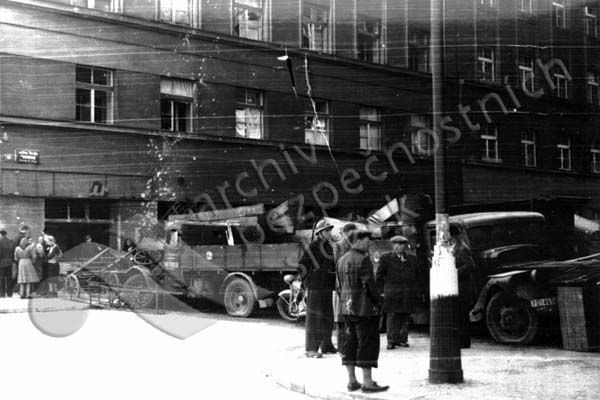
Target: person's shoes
(353, 386)
(374, 389)
(403, 344)
(314, 354)
(391, 346)
(329, 350)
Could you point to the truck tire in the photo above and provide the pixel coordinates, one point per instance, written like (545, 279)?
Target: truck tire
(136, 292)
(239, 299)
(510, 319)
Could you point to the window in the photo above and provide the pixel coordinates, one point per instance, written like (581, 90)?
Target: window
(486, 64)
(562, 86)
(421, 138)
(559, 13)
(316, 127)
(175, 11)
(593, 90)
(104, 5)
(528, 142)
(526, 71)
(564, 149)
(370, 128)
(315, 28)
(368, 40)
(595, 153)
(249, 114)
(248, 19)
(177, 96)
(488, 3)
(490, 143)
(418, 52)
(526, 6)
(94, 94)
(591, 21)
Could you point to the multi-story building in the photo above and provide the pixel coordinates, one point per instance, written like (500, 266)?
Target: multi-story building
(116, 112)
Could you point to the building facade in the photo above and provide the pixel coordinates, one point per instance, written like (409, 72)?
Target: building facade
(115, 113)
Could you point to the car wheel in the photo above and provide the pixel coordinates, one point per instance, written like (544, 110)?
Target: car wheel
(511, 319)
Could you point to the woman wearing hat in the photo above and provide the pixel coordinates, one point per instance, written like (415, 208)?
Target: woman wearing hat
(27, 276)
(397, 275)
(52, 266)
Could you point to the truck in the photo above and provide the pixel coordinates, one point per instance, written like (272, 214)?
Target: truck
(516, 275)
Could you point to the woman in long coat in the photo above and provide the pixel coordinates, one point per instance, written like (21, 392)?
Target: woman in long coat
(27, 274)
(397, 275)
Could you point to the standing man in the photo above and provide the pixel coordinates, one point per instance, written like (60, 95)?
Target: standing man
(318, 273)
(397, 276)
(6, 262)
(465, 266)
(339, 249)
(360, 307)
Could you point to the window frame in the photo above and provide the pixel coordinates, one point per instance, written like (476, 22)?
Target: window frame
(262, 26)
(562, 85)
(559, 10)
(488, 3)
(93, 88)
(418, 50)
(526, 67)
(483, 61)
(418, 124)
(373, 127)
(593, 88)
(487, 139)
(172, 14)
(528, 140)
(595, 158)
(375, 39)
(590, 20)
(115, 6)
(245, 106)
(526, 6)
(311, 22)
(310, 118)
(174, 100)
(564, 148)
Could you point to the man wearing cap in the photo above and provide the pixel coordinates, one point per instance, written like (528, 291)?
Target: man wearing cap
(318, 273)
(397, 277)
(6, 262)
(340, 248)
(360, 306)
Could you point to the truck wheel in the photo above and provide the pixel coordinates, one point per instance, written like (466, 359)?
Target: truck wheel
(510, 319)
(136, 293)
(283, 306)
(238, 299)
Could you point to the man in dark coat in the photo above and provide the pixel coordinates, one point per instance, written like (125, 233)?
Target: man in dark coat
(397, 276)
(360, 306)
(6, 262)
(318, 272)
(465, 266)
(339, 249)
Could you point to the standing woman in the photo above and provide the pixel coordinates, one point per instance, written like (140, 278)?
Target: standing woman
(53, 268)
(26, 271)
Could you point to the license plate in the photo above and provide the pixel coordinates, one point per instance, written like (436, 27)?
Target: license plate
(545, 302)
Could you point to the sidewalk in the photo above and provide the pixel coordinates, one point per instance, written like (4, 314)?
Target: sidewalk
(39, 304)
(491, 371)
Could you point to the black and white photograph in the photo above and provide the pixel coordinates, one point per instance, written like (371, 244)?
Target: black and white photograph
(300, 199)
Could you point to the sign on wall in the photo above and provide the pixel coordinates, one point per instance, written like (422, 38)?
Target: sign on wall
(26, 156)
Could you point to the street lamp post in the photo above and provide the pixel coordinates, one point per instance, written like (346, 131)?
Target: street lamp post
(444, 358)
(3, 140)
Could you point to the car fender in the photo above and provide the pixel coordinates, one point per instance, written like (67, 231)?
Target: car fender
(242, 275)
(520, 283)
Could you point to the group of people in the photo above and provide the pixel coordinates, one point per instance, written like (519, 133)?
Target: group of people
(343, 270)
(32, 265)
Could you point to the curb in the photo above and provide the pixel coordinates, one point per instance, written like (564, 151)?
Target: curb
(26, 310)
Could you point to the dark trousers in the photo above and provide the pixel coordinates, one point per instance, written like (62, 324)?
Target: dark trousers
(397, 327)
(464, 323)
(361, 342)
(319, 320)
(6, 282)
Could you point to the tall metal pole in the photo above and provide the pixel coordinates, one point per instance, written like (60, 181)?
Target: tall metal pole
(444, 357)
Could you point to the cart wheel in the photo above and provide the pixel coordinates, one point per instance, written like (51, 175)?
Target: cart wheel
(136, 292)
(239, 299)
(111, 280)
(510, 319)
(72, 286)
